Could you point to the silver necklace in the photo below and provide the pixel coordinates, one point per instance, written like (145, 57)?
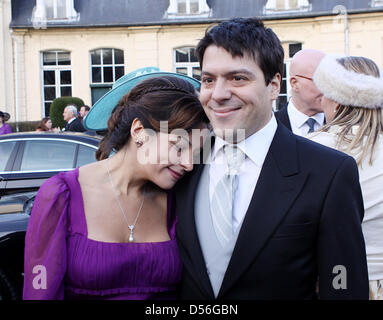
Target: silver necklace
(130, 226)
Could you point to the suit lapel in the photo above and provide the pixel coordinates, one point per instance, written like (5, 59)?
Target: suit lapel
(278, 186)
(187, 232)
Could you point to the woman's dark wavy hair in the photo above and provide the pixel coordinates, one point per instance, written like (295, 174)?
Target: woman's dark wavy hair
(239, 36)
(166, 98)
(43, 124)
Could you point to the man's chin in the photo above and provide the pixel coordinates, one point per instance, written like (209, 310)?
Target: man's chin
(230, 134)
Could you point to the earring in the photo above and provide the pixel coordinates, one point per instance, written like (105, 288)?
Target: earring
(139, 143)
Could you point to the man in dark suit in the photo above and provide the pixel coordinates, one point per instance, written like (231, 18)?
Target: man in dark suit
(303, 113)
(270, 215)
(70, 116)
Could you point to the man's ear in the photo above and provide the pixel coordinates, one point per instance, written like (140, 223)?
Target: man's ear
(275, 84)
(293, 83)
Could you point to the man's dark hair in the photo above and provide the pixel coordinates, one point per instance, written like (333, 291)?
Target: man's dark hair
(87, 108)
(246, 36)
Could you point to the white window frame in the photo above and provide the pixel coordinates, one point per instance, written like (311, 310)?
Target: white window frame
(57, 69)
(172, 12)
(39, 14)
(286, 76)
(188, 65)
(102, 65)
(376, 3)
(271, 7)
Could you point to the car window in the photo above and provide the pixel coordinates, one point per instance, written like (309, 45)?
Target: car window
(85, 155)
(6, 149)
(48, 155)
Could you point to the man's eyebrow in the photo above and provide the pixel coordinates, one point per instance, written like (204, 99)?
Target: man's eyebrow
(230, 73)
(205, 73)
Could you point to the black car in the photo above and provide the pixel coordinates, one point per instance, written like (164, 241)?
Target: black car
(26, 161)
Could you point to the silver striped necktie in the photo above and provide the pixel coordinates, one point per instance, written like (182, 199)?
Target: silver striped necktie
(223, 196)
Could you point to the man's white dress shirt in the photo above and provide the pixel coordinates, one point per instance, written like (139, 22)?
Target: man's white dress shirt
(298, 120)
(255, 147)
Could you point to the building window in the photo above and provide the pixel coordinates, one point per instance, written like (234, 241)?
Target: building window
(284, 94)
(294, 48)
(281, 6)
(187, 8)
(186, 62)
(52, 11)
(107, 66)
(283, 97)
(56, 9)
(376, 3)
(56, 76)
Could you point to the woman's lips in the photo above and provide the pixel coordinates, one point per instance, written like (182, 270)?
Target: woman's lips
(175, 174)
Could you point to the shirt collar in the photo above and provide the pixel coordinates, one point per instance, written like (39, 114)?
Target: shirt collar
(255, 146)
(71, 120)
(300, 118)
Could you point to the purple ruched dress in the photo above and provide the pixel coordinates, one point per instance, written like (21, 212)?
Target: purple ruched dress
(62, 263)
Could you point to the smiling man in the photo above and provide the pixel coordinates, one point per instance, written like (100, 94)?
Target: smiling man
(271, 212)
(245, 104)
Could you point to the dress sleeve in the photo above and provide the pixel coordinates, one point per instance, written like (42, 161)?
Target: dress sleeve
(45, 243)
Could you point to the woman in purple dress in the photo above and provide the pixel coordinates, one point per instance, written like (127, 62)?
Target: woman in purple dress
(4, 128)
(107, 230)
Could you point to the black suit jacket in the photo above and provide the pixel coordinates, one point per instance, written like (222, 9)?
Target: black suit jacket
(283, 117)
(303, 221)
(75, 125)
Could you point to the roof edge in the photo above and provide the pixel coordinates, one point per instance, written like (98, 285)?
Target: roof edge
(301, 15)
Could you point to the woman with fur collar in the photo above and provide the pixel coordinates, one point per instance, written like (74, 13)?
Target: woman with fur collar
(352, 101)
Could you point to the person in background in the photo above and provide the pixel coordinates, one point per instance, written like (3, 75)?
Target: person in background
(70, 117)
(4, 127)
(303, 113)
(45, 125)
(84, 111)
(352, 100)
(107, 230)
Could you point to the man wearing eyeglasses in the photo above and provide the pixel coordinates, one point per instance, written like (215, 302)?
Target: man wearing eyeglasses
(303, 114)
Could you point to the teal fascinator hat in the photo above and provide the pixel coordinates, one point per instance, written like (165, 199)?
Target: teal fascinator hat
(97, 118)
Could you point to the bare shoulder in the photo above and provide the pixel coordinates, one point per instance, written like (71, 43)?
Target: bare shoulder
(92, 174)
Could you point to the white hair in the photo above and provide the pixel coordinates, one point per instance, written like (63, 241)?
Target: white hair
(73, 109)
